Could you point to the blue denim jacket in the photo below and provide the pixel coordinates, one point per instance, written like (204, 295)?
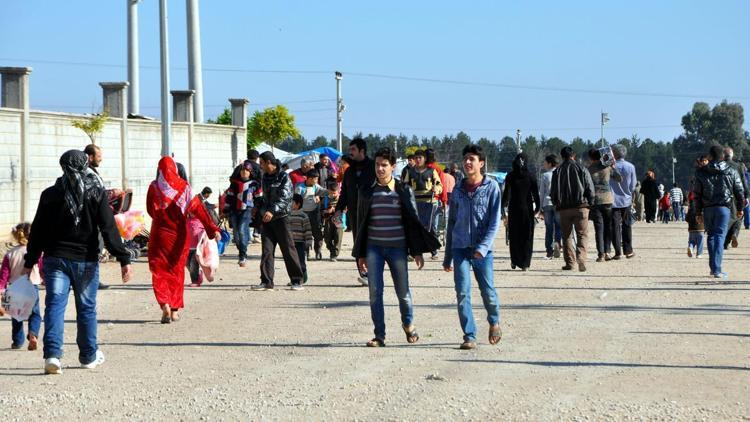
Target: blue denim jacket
(473, 219)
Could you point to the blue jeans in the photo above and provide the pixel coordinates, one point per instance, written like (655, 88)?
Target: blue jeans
(463, 263)
(241, 226)
(426, 212)
(35, 322)
(746, 217)
(60, 275)
(377, 257)
(677, 210)
(552, 231)
(716, 222)
(695, 239)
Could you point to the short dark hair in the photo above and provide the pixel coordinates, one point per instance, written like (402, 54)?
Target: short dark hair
(594, 154)
(297, 199)
(253, 154)
(207, 191)
(552, 160)
(474, 149)
(386, 154)
(91, 149)
(410, 157)
(429, 155)
(323, 155)
(419, 153)
(716, 152)
(359, 143)
(567, 152)
(312, 173)
(674, 185)
(268, 156)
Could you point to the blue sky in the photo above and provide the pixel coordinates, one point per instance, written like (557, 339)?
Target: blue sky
(670, 47)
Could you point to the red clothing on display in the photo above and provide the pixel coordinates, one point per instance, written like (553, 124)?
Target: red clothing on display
(442, 196)
(168, 202)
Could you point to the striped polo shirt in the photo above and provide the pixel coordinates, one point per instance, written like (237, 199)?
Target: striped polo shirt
(386, 228)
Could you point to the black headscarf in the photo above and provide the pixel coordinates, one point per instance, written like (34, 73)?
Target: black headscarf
(520, 164)
(77, 181)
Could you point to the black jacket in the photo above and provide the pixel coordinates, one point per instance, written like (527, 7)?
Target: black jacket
(277, 195)
(649, 189)
(324, 173)
(54, 233)
(572, 186)
(418, 239)
(352, 183)
(717, 185)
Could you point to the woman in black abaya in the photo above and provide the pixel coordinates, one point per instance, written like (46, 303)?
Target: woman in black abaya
(521, 203)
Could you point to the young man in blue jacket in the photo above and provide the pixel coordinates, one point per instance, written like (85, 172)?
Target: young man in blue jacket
(472, 226)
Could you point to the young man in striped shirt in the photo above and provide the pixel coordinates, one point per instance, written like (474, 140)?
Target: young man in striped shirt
(676, 196)
(389, 229)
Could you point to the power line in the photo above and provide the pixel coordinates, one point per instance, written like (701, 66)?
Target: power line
(415, 79)
(508, 129)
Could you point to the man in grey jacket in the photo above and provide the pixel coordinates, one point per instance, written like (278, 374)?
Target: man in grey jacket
(572, 192)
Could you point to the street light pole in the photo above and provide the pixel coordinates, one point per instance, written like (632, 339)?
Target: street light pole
(518, 140)
(133, 65)
(166, 142)
(339, 111)
(604, 120)
(674, 161)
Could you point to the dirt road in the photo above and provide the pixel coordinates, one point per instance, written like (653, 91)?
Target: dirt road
(648, 338)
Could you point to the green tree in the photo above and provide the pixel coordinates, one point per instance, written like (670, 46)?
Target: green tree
(225, 118)
(272, 125)
(91, 126)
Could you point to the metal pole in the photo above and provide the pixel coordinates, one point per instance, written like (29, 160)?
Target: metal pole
(601, 121)
(339, 111)
(518, 140)
(674, 160)
(134, 106)
(166, 142)
(195, 66)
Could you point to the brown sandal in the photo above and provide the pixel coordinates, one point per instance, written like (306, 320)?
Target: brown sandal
(495, 334)
(468, 345)
(411, 335)
(376, 342)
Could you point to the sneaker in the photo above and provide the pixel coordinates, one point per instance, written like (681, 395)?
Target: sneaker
(103, 286)
(556, 250)
(255, 240)
(297, 287)
(607, 257)
(690, 252)
(362, 280)
(617, 257)
(734, 242)
(97, 361)
(629, 255)
(548, 257)
(333, 259)
(15, 346)
(434, 256)
(318, 256)
(242, 263)
(699, 256)
(721, 275)
(600, 258)
(262, 287)
(52, 366)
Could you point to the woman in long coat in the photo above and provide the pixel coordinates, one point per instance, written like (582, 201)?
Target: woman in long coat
(168, 202)
(521, 200)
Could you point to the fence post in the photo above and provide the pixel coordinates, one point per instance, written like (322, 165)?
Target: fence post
(115, 104)
(239, 119)
(15, 94)
(183, 110)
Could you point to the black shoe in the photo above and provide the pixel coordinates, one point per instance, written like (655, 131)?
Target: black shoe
(103, 286)
(567, 267)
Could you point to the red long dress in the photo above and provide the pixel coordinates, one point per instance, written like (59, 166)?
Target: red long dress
(168, 201)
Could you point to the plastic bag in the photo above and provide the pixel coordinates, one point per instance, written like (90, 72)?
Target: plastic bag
(224, 239)
(20, 298)
(207, 254)
(130, 224)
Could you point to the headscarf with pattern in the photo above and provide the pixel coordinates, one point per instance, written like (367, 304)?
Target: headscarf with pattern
(77, 181)
(170, 187)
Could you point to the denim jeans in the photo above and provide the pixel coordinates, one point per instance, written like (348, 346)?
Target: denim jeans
(552, 232)
(601, 215)
(695, 239)
(377, 257)
(746, 217)
(622, 231)
(463, 263)
(60, 275)
(716, 222)
(677, 210)
(241, 226)
(35, 322)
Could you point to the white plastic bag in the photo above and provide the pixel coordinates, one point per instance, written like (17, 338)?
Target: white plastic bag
(207, 254)
(20, 298)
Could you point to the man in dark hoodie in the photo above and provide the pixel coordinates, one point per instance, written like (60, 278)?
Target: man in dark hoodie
(273, 212)
(572, 193)
(66, 229)
(361, 172)
(718, 193)
(735, 224)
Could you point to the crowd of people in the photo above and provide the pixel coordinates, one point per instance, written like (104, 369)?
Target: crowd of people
(393, 220)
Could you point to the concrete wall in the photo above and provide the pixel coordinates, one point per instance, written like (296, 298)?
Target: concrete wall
(50, 134)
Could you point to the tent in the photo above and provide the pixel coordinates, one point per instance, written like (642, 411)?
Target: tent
(313, 154)
(280, 154)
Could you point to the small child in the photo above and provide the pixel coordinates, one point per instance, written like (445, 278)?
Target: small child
(11, 269)
(332, 234)
(195, 232)
(299, 224)
(665, 204)
(312, 193)
(695, 230)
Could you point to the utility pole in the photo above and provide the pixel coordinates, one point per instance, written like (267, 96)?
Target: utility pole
(674, 161)
(195, 65)
(605, 119)
(340, 107)
(134, 106)
(518, 140)
(166, 142)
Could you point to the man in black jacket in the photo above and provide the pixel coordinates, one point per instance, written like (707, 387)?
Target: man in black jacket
(66, 229)
(735, 224)
(718, 193)
(361, 172)
(273, 211)
(572, 192)
(389, 229)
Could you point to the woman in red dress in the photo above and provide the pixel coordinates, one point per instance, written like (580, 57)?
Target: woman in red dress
(168, 201)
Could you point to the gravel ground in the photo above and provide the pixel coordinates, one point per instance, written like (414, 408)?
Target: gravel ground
(648, 338)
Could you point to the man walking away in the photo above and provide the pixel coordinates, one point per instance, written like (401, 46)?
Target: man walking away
(66, 229)
(625, 194)
(676, 196)
(572, 193)
(552, 232)
(735, 223)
